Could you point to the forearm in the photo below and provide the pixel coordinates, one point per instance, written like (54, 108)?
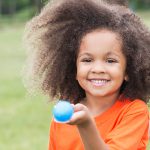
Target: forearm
(91, 138)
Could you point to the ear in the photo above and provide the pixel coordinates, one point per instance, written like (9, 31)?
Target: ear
(126, 78)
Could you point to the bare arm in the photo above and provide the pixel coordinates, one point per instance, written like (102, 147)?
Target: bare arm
(91, 138)
(87, 129)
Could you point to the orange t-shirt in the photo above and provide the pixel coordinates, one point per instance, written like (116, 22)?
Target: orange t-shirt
(124, 126)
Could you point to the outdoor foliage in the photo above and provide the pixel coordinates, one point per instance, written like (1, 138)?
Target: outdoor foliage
(13, 6)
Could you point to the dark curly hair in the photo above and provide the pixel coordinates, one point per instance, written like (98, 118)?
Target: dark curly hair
(53, 39)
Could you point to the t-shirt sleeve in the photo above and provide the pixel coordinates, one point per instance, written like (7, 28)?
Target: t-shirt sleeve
(52, 138)
(131, 132)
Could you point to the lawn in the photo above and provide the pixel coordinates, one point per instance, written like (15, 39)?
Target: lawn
(25, 119)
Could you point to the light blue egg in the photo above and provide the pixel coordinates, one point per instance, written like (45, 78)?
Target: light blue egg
(63, 111)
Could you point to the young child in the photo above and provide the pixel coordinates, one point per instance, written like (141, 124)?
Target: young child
(97, 57)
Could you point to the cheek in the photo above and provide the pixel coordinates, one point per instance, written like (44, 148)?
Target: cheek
(81, 71)
(80, 74)
(118, 73)
(79, 77)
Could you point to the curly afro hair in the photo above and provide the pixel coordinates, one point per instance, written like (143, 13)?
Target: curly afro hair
(53, 39)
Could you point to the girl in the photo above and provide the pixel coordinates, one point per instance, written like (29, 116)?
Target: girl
(97, 57)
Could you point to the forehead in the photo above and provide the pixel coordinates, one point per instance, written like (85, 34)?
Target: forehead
(103, 40)
(104, 35)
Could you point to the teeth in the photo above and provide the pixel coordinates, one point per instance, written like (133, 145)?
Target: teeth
(99, 82)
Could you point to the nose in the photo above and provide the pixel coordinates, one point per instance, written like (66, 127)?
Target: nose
(98, 67)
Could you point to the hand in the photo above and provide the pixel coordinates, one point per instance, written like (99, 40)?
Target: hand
(87, 128)
(81, 115)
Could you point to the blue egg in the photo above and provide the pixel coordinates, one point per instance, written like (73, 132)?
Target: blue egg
(63, 111)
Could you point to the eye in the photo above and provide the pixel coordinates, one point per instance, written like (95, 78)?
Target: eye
(86, 60)
(111, 60)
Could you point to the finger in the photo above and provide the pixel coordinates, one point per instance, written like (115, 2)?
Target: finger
(72, 105)
(76, 118)
(79, 107)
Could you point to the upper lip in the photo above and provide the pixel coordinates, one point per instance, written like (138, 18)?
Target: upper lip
(98, 79)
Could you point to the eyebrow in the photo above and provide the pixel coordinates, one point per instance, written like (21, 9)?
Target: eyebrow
(111, 53)
(107, 54)
(84, 54)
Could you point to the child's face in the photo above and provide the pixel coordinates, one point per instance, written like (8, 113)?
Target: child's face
(101, 64)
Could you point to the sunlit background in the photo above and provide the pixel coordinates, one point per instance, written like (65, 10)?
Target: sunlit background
(25, 119)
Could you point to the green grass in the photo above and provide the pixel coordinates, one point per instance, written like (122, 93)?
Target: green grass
(24, 120)
(145, 15)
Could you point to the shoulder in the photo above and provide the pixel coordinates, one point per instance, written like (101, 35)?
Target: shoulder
(136, 106)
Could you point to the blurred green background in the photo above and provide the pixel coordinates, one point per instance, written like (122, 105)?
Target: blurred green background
(25, 119)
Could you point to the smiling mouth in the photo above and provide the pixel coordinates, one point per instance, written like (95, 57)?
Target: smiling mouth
(99, 82)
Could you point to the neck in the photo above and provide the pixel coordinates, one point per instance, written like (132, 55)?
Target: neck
(98, 105)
